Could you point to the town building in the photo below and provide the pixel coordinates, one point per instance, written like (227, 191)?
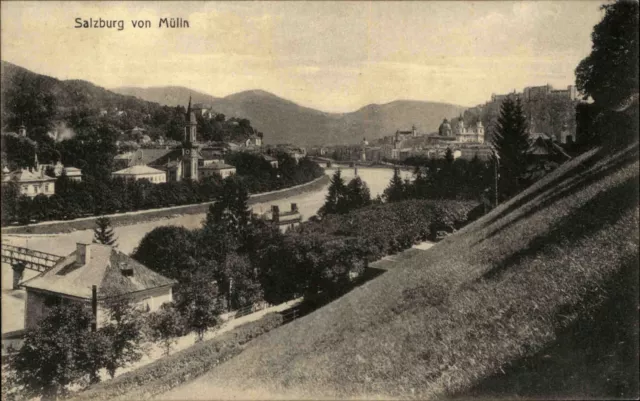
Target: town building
(221, 169)
(253, 141)
(284, 220)
(182, 162)
(204, 110)
(462, 134)
(114, 274)
(141, 172)
(272, 160)
(30, 181)
(58, 169)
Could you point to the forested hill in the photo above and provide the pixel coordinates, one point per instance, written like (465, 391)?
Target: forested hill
(22, 88)
(66, 117)
(285, 121)
(166, 95)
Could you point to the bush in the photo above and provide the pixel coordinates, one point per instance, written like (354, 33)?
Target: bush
(169, 372)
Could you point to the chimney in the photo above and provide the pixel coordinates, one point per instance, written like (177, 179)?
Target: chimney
(275, 213)
(294, 207)
(82, 253)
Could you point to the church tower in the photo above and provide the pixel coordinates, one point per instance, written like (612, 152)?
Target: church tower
(190, 126)
(190, 148)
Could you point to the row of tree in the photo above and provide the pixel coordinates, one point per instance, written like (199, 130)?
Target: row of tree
(96, 197)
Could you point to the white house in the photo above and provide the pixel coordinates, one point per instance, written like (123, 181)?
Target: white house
(113, 273)
(140, 172)
(31, 182)
(222, 169)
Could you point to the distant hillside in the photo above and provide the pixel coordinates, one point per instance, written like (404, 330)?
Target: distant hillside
(45, 104)
(18, 84)
(284, 121)
(166, 95)
(537, 299)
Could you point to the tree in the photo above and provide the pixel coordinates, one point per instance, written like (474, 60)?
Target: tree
(123, 330)
(357, 194)
(230, 209)
(243, 285)
(103, 233)
(54, 355)
(395, 192)
(335, 201)
(40, 207)
(10, 193)
(167, 250)
(511, 145)
(448, 156)
(24, 209)
(609, 74)
(196, 300)
(165, 325)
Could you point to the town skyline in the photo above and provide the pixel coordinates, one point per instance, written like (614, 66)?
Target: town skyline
(333, 57)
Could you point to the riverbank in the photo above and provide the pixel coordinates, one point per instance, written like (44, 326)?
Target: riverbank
(144, 216)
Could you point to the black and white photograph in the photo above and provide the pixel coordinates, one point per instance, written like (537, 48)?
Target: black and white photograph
(320, 200)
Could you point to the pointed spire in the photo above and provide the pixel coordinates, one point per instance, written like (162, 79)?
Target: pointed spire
(189, 108)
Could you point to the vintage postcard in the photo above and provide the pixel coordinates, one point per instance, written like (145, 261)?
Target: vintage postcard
(214, 200)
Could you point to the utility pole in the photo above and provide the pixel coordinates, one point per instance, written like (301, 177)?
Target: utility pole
(94, 308)
(495, 174)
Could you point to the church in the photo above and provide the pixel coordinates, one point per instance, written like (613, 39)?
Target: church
(461, 133)
(191, 161)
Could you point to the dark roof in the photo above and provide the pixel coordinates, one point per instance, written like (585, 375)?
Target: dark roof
(210, 154)
(149, 156)
(546, 146)
(215, 166)
(103, 269)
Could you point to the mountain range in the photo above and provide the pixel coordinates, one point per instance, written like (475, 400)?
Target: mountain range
(281, 120)
(284, 121)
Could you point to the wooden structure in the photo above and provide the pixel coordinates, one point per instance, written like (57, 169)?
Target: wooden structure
(34, 260)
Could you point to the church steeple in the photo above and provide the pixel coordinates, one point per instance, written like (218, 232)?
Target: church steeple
(190, 126)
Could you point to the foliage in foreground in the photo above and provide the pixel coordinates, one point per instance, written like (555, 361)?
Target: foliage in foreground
(325, 256)
(62, 351)
(169, 372)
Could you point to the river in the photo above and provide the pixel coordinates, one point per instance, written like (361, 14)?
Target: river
(129, 236)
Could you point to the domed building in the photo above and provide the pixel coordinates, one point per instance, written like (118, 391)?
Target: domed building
(445, 128)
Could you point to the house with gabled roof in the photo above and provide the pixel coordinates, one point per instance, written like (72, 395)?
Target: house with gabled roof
(142, 172)
(114, 274)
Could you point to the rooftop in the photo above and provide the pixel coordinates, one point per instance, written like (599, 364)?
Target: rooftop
(216, 166)
(103, 269)
(138, 170)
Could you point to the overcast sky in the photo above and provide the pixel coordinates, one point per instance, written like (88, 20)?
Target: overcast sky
(330, 56)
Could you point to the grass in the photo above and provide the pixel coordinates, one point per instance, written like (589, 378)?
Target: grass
(477, 313)
(125, 219)
(173, 370)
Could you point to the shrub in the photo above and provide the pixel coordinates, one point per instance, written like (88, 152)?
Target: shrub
(171, 371)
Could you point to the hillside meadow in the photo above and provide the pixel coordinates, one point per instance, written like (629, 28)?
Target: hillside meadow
(474, 314)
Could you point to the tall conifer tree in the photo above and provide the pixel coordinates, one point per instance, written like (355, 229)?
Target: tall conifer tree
(103, 233)
(511, 145)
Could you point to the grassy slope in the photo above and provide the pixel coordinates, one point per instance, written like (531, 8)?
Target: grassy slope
(500, 290)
